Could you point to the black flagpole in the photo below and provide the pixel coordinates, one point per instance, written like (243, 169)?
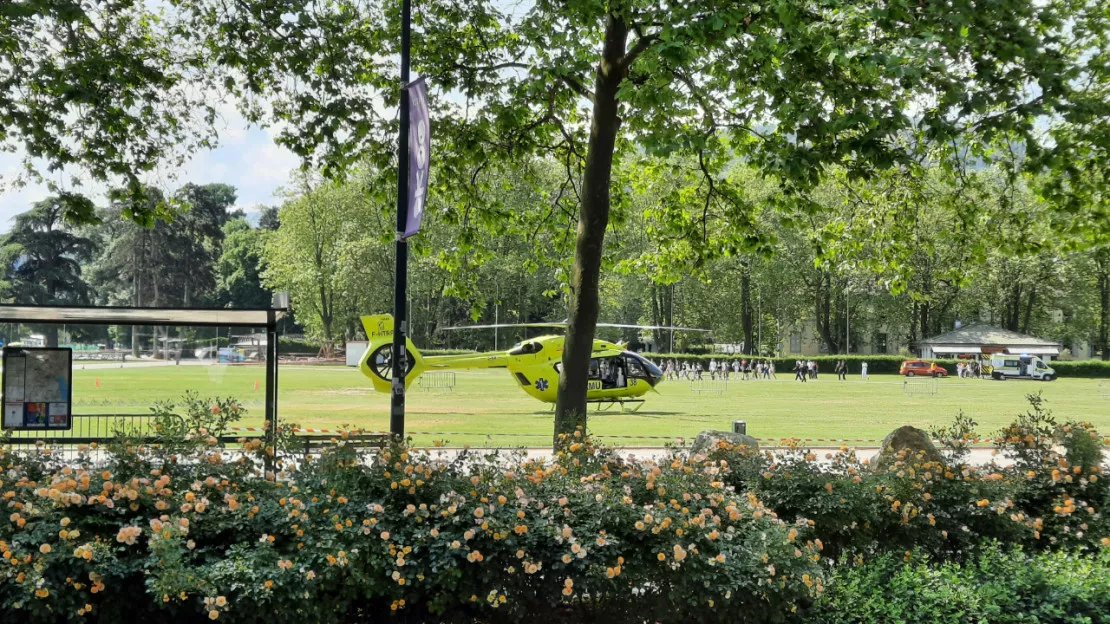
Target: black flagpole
(400, 295)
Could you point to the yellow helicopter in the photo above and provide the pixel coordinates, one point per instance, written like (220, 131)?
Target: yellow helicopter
(616, 374)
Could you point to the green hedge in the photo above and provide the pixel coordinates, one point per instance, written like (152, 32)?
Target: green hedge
(876, 364)
(997, 586)
(1082, 368)
(288, 346)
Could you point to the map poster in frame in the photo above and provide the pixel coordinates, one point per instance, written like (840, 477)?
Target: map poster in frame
(37, 386)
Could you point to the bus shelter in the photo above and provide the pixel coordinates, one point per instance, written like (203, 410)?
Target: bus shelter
(168, 317)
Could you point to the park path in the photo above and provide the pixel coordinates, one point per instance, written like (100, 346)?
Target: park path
(977, 457)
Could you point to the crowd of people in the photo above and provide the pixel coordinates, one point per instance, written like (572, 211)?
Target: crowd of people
(724, 369)
(804, 370)
(969, 370)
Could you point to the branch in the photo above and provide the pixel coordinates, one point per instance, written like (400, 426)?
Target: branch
(641, 45)
(578, 87)
(494, 67)
(708, 195)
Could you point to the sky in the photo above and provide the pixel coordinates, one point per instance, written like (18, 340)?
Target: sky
(247, 158)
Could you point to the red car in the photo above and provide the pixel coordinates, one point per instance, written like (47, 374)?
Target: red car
(912, 368)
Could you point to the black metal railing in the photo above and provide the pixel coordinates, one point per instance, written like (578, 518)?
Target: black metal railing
(89, 428)
(104, 428)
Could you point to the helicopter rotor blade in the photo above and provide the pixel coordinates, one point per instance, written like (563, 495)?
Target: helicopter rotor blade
(502, 325)
(625, 326)
(564, 324)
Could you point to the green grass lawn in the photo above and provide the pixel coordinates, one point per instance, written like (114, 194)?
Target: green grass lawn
(488, 402)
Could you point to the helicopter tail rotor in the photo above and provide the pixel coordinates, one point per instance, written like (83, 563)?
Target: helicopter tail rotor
(377, 362)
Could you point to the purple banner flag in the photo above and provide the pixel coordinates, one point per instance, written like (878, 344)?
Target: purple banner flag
(420, 143)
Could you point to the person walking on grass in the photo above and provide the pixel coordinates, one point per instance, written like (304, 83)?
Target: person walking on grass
(841, 370)
(863, 371)
(771, 369)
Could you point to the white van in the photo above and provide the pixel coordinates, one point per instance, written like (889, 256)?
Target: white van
(1006, 366)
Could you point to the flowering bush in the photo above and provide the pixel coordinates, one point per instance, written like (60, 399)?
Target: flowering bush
(189, 531)
(479, 537)
(1042, 500)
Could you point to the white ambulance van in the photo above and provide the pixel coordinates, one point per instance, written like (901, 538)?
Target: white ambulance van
(1008, 366)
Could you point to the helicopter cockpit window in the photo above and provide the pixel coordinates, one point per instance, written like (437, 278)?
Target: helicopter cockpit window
(604, 369)
(527, 348)
(635, 368)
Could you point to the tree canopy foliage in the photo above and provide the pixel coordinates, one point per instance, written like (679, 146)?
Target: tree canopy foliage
(41, 260)
(789, 87)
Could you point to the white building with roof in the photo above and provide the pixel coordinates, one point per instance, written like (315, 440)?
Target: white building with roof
(980, 338)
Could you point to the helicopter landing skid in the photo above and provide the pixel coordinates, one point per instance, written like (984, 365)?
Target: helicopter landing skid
(626, 405)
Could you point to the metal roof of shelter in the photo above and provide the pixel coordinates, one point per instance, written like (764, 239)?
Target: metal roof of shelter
(982, 334)
(110, 315)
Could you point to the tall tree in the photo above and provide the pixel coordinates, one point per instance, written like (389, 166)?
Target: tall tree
(268, 219)
(321, 254)
(42, 259)
(126, 272)
(239, 268)
(171, 262)
(195, 239)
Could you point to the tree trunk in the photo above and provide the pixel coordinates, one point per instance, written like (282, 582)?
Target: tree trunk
(657, 314)
(326, 318)
(50, 335)
(1103, 264)
(1102, 272)
(824, 311)
(914, 311)
(746, 317)
(1029, 310)
(1015, 308)
(924, 318)
(136, 300)
(570, 407)
(157, 301)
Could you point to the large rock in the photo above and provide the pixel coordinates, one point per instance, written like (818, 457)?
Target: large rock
(909, 445)
(707, 441)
